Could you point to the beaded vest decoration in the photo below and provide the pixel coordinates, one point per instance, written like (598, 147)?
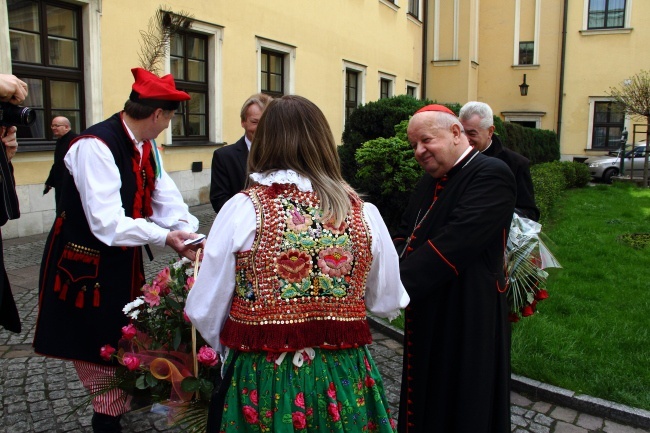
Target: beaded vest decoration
(302, 284)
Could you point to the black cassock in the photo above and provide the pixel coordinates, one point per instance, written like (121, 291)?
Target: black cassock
(457, 335)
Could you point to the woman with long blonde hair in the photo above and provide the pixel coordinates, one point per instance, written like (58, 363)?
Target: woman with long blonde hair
(291, 264)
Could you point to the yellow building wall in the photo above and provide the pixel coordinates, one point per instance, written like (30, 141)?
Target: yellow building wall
(324, 32)
(595, 62)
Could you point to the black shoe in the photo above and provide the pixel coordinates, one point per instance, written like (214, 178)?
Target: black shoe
(103, 423)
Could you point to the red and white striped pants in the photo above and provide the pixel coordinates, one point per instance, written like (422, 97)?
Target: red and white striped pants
(94, 378)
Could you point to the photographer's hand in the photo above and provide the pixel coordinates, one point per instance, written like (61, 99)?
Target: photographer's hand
(8, 135)
(12, 89)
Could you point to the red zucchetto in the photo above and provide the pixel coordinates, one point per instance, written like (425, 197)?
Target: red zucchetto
(154, 91)
(435, 107)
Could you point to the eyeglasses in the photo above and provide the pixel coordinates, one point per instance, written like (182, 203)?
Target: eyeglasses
(54, 125)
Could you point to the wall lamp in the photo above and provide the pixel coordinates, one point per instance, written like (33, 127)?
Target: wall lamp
(523, 87)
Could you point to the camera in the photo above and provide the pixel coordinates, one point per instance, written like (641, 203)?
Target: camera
(11, 114)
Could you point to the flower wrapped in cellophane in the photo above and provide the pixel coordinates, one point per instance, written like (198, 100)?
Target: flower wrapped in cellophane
(161, 358)
(527, 257)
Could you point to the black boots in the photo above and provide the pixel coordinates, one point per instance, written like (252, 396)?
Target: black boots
(105, 423)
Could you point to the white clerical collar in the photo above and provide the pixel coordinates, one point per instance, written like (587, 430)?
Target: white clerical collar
(488, 146)
(468, 150)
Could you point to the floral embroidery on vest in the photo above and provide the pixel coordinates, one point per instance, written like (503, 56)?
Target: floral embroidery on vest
(301, 271)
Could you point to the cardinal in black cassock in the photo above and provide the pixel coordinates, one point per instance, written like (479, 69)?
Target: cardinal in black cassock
(452, 240)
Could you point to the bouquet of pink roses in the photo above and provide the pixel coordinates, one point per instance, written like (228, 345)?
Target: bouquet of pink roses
(157, 355)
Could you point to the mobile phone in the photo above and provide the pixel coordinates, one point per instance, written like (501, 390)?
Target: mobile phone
(196, 240)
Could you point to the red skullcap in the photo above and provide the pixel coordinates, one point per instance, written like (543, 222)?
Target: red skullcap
(435, 107)
(154, 91)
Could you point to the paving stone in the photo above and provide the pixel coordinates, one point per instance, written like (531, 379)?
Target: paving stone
(563, 427)
(564, 414)
(589, 422)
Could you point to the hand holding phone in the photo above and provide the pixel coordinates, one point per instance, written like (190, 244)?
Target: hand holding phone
(195, 241)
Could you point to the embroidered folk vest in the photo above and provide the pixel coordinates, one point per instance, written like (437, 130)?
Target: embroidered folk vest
(302, 283)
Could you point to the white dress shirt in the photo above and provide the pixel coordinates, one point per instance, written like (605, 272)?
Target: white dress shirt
(208, 303)
(98, 181)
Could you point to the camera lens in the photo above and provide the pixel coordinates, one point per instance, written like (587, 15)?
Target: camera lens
(15, 115)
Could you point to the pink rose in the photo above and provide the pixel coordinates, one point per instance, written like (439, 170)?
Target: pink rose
(131, 362)
(331, 391)
(333, 410)
(299, 420)
(207, 356)
(189, 284)
(310, 411)
(253, 397)
(250, 414)
(106, 352)
(300, 400)
(129, 331)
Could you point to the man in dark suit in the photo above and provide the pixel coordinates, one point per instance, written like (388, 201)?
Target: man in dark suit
(229, 163)
(61, 130)
(477, 119)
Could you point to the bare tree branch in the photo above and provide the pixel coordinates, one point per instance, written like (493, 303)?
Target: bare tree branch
(633, 95)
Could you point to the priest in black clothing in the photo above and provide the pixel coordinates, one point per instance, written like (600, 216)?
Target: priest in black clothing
(452, 241)
(478, 121)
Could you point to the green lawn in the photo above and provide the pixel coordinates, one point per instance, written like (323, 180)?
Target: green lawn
(592, 335)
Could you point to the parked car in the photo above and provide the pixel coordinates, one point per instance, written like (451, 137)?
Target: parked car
(604, 167)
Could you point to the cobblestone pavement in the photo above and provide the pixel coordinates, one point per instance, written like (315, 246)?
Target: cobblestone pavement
(40, 394)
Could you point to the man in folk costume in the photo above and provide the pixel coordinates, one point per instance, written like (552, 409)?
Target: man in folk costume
(452, 241)
(116, 197)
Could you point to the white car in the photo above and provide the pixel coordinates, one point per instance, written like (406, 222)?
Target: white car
(604, 167)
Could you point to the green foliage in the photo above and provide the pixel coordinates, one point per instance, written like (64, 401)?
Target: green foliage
(548, 183)
(374, 120)
(538, 145)
(591, 335)
(387, 174)
(499, 128)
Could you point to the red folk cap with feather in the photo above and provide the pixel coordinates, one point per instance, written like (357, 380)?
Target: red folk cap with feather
(156, 92)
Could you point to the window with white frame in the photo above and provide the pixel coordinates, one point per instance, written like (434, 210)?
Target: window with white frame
(606, 124)
(275, 67)
(45, 39)
(354, 91)
(195, 62)
(412, 90)
(526, 52)
(386, 86)
(606, 14)
(529, 119)
(414, 8)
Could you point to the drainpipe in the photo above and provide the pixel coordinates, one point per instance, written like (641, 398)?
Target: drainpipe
(562, 65)
(425, 20)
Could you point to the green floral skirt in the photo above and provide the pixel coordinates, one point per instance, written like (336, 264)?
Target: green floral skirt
(331, 391)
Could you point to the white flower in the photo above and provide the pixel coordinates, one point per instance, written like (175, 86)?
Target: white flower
(132, 305)
(182, 262)
(134, 314)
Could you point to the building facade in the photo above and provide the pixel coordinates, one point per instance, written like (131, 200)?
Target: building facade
(76, 57)
(567, 54)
